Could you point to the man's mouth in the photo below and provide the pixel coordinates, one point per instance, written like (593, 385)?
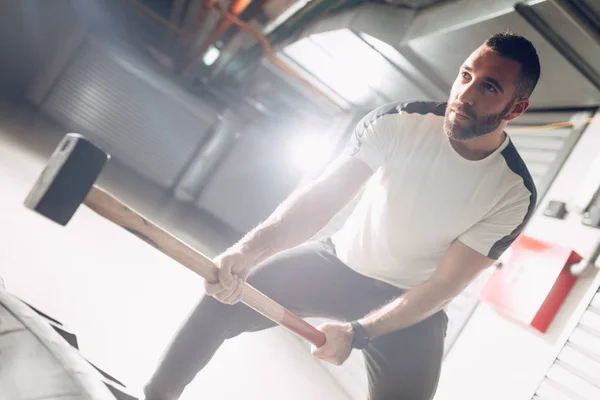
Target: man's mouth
(460, 114)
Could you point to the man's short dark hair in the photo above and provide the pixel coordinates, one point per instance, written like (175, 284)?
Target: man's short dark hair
(516, 47)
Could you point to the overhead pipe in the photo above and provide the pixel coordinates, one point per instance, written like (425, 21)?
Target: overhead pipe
(203, 13)
(207, 5)
(178, 10)
(266, 46)
(236, 8)
(249, 13)
(159, 19)
(227, 40)
(248, 56)
(283, 31)
(239, 6)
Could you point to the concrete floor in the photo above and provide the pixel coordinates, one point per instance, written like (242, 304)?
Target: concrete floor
(120, 296)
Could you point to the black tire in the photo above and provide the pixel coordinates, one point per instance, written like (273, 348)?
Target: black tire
(37, 363)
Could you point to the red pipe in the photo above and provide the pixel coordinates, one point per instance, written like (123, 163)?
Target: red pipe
(236, 8)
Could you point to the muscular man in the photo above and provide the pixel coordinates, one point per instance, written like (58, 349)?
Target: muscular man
(445, 194)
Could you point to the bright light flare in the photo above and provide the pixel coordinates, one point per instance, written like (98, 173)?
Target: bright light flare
(211, 56)
(309, 152)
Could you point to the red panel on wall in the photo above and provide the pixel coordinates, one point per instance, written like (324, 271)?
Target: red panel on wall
(532, 283)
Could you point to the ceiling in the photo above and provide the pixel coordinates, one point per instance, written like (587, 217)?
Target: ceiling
(422, 60)
(561, 84)
(324, 57)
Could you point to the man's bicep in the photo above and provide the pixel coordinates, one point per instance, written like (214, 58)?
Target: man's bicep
(344, 178)
(460, 265)
(481, 245)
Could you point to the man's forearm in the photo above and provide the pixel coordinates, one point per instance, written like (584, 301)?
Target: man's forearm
(411, 308)
(307, 210)
(295, 220)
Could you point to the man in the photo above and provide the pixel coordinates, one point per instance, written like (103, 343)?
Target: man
(445, 193)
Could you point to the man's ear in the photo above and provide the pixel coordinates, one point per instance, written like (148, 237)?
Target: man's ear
(517, 109)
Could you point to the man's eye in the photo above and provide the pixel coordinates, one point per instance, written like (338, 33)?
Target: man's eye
(465, 75)
(490, 87)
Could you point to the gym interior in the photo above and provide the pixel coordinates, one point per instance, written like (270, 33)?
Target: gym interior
(213, 112)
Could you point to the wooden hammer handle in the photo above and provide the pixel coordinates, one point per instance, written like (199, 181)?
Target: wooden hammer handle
(115, 211)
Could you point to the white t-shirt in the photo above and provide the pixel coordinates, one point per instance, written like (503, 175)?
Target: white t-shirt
(423, 195)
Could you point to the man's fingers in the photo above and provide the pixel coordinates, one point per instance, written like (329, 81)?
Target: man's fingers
(225, 276)
(315, 351)
(213, 288)
(236, 294)
(319, 352)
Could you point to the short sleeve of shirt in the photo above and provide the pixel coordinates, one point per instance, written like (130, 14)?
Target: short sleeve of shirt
(375, 136)
(494, 234)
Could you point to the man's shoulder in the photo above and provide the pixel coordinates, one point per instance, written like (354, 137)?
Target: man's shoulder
(408, 107)
(423, 107)
(401, 109)
(519, 186)
(518, 168)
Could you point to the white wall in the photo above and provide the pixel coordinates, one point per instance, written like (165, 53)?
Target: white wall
(123, 298)
(498, 359)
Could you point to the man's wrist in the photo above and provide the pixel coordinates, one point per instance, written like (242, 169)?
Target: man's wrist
(252, 252)
(369, 327)
(360, 336)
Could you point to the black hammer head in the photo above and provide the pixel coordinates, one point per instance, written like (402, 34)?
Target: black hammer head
(67, 179)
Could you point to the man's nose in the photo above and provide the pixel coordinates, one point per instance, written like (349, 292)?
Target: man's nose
(466, 94)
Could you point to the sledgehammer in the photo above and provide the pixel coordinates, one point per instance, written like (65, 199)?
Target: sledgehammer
(68, 181)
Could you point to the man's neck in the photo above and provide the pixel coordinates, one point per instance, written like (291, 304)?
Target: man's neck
(480, 147)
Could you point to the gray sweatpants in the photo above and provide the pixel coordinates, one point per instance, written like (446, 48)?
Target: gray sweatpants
(312, 282)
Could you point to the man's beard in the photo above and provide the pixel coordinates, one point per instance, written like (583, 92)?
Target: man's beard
(477, 126)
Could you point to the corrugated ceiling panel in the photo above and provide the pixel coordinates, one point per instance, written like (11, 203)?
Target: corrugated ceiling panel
(144, 121)
(575, 374)
(457, 13)
(549, 390)
(591, 320)
(585, 365)
(426, 89)
(543, 141)
(586, 339)
(575, 384)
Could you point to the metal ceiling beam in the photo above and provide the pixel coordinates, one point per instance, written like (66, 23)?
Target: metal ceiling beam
(559, 44)
(415, 4)
(582, 15)
(381, 21)
(415, 76)
(424, 69)
(177, 11)
(386, 24)
(454, 15)
(238, 66)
